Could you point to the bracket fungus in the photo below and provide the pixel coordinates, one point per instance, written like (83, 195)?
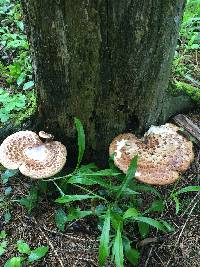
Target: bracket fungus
(25, 151)
(163, 154)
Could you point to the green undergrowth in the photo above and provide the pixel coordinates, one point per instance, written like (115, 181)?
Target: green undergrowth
(17, 96)
(185, 68)
(124, 212)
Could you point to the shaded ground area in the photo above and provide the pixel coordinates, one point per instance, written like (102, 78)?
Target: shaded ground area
(181, 248)
(75, 247)
(78, 245)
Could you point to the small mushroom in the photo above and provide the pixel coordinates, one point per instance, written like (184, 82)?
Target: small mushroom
(25, 151)
(163, 154)
(46, 136)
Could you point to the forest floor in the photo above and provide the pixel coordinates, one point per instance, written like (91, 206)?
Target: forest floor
(78, 244)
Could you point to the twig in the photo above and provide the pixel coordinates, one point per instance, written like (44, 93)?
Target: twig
(70, 236)
(183, 228)
(159, 258)
(190, 204)
(147, 261)
(49, 242)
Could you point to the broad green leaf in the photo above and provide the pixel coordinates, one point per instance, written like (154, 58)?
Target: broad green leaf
(14, 262)
(116, 220)
(156, 205)
(38, 253)
(168, 226)
(129, 176)
(28, 85)
(8, 174)
(3, 234)
(20, 24)
(23, 247)
(131, 254)
(81, 140)
(151, 222)
(31, 200)
(177, 203)
(143, 229)
(131, 212)
(7, 217)
(130, 192)
(186, 189)
(104, 240)
(76, 214)
(3, 246)
(195, 46)
(8, 190)
(60, 219)
(118, 249)
(71, 198)
(21, 78)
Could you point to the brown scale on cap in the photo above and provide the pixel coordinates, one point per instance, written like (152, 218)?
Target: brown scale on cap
(163, 153)
(25, 150)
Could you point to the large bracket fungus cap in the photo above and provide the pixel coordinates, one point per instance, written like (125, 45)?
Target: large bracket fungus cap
(25, 151)
(163, 154)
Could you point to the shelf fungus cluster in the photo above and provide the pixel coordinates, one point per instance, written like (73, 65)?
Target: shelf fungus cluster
(163, 154)
(26, 151)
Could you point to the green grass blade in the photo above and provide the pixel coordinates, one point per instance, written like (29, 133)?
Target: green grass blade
(82, 179)
(76, 214)
(104, 240)
(131, 212)
(131, 254)
(71, 198)
(38, 253)
(186, 189)
(151, 222)
(118, 249)
(81, 140)
(14, 262)
(60, 219)
(177, 203)
(129, 176)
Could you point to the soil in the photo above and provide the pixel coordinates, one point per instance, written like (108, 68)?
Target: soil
(78, 244)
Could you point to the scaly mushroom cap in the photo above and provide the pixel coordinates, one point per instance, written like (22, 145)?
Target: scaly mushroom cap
(12, 147)
(163, 153)
(25, 150)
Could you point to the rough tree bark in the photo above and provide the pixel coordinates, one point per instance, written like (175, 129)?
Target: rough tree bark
(106, 62)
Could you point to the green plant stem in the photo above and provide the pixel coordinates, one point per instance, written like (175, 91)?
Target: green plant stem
(59, 189)
(58, 178)
(89, 191)
(172, 192)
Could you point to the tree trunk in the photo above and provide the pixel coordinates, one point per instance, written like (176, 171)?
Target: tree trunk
(106, 62)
